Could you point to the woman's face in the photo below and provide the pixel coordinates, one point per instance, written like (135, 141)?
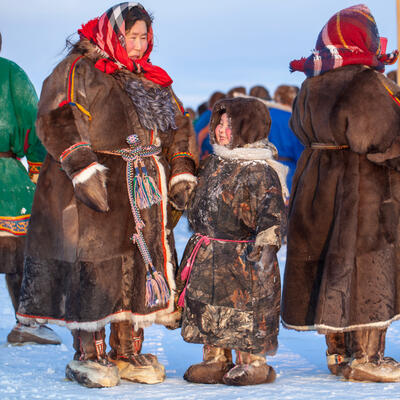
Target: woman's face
(223, 131)
(136, 40)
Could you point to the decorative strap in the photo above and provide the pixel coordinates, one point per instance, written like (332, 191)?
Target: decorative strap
(67, 152)
(182, 110)
(143, 193)
(336, 359)
(328, 146)
(395, 99)
(182, 154)
(185, 274)
(70, 92)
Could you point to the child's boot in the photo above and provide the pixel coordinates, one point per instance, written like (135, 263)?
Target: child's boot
(251, 369)
(216, 363)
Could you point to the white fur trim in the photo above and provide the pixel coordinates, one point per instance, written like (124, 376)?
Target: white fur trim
(268, 237)
(328, 328)
(186, 177)
(255, 154)
(87, 173)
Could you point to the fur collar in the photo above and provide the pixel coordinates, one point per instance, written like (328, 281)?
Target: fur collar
(261, 151)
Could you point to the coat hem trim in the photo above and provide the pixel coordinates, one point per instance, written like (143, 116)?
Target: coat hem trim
(328, 328)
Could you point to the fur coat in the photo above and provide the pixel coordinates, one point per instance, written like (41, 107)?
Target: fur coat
(232, 301)
(342, 270)
(82, 269)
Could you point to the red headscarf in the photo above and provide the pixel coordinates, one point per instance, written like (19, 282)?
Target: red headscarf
(108, 33)
(350, 37)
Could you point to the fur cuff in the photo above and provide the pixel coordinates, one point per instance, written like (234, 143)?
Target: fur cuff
(184, 177)
(88, 172)
(269, 237)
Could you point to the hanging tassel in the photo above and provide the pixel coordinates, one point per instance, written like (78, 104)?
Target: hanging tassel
(139, 190)
(157, 292)
(181, 301)
(152, 191)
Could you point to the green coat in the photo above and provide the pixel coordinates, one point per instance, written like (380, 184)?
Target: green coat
(18, 105)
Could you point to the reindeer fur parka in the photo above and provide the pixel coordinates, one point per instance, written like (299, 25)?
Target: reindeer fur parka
(342, 270)
(232, 301)
(81, 267)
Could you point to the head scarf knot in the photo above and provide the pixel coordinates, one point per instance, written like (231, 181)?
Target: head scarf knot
(107, 32)
(350, 37)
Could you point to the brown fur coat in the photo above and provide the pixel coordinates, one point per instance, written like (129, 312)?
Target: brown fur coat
(342, 270)
(81, 268)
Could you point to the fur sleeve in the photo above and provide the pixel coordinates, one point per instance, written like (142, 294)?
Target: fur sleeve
(370, 116)
(183, 153)
(60, 125)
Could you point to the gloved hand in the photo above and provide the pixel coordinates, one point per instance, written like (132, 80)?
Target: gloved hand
(90, 187)
(180, 193)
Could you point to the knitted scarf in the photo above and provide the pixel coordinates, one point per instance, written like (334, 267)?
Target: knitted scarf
(350, 37)
(108, 34)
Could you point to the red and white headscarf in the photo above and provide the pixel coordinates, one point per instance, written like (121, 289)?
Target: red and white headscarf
(108, 34)
(349, 37)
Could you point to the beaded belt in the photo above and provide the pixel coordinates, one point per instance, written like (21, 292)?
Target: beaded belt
(328, 146)
(143, 193)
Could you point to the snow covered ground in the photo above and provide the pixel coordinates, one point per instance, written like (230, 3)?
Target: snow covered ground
(37, 372)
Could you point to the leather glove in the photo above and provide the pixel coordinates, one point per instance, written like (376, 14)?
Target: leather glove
(90, 187)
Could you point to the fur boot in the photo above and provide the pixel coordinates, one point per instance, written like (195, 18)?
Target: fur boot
(337, 356)
(367, 361)
(216, 363)
(90, 366)
(35, 333)
(126, 344)
(251, 369)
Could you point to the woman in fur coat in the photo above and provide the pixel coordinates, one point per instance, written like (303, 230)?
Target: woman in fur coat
(229, 269)
(342, 274)
(122, 158)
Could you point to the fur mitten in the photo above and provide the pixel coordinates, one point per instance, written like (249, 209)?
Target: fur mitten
(90, 187)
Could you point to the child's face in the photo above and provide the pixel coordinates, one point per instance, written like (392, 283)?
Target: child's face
(223, 131)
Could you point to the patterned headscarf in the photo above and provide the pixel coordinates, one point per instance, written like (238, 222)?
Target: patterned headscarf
(350, 37)
(108, 34)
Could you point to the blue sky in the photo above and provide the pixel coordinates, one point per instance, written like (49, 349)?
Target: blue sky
(204, 45)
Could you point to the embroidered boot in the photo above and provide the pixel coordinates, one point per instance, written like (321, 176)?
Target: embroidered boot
(126, 345)
(90, 366)
(251, 369)
(216, 363)
(367, 362)
(337, 356)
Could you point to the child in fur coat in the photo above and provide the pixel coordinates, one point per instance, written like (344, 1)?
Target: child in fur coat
(229, 271)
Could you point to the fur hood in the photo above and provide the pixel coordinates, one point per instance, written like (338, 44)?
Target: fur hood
(250, 120)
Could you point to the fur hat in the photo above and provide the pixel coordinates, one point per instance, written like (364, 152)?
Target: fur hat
(250, 120)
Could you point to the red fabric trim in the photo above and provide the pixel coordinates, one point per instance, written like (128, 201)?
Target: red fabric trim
(26, 141)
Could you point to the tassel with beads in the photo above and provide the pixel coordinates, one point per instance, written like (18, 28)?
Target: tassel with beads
(157, 292)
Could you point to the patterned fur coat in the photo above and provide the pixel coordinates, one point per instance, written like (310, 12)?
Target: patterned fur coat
(230, 301)
(81, 268)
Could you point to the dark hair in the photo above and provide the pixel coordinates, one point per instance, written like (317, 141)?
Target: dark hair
(285, 94)
(214, 98)
(201, 108)
(238, 89)
(135, 14)
(260, 92)
(131, 16)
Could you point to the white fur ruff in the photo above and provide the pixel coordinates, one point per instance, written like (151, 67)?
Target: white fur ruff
(87, 173)
(257, 154)
(182, 178)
